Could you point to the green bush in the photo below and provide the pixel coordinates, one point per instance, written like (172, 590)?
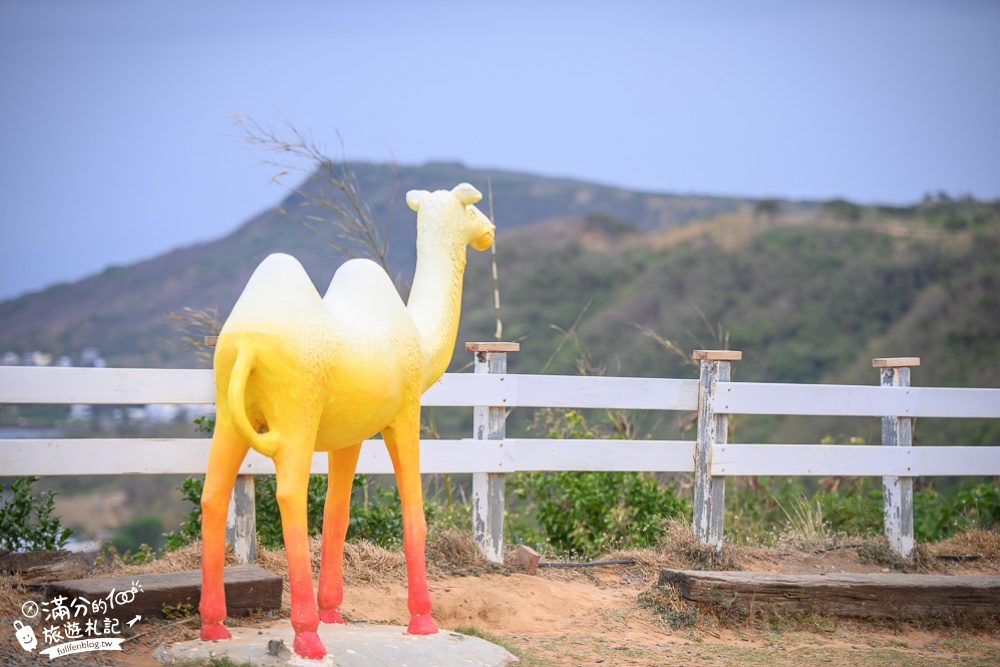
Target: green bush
(587, 513)
(376, 515)
(754, 508)
(140, 531)
(190, 528)
(26, 520)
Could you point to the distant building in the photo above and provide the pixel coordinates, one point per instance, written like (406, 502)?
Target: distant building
(10, 358)
(36, 358)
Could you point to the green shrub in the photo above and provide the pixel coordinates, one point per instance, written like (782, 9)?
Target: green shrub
(26, 520)
(586, 513)
(140, 531)
(375, 512)
(190, 528)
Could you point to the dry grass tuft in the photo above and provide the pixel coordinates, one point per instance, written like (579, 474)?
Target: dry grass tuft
(452, 553)
(186, 558)
(11, 598)
(368, 563)
(982, 543)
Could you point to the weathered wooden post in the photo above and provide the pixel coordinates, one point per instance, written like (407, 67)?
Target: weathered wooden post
(241, 521)
(897, 431)
(489, 423)
(713, 428)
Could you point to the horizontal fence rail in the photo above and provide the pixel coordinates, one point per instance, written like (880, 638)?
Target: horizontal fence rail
(490, 456)
(132, 386)
(760, 398)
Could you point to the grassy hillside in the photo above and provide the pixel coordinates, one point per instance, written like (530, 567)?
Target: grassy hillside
(809, 292)
(807, 298)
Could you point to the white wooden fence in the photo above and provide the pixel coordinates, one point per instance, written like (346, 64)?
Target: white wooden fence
(490, 455)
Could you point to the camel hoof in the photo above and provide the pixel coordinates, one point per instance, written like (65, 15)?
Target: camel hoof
(422, 624)
(214, 632)
(308, 645)
(331, 616)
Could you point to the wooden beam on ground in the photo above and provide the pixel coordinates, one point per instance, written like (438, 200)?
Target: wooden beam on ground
(900, 596)
(248, 587)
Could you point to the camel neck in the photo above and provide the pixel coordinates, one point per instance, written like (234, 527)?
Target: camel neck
(435, 302)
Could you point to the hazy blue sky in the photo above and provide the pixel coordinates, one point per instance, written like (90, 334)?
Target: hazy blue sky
(117, 145)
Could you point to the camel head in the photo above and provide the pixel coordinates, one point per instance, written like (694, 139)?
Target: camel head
(445, 213)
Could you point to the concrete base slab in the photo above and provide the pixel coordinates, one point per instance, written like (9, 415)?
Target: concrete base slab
(354, 645)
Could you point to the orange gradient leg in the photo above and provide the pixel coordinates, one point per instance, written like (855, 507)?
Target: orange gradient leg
(224, 459)
(403, 442)
(292, 461)
(336, 516)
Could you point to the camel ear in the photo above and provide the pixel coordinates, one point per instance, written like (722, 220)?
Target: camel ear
(414, 197)
(466, 193)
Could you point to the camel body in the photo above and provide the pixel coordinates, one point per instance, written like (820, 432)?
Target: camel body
(298, 373)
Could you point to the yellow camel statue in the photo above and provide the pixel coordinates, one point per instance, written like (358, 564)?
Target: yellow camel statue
(297, 373)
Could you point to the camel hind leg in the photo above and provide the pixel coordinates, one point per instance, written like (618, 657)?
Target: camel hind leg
(402, 439)
(225, 457)
(336, 517)
(292, 461)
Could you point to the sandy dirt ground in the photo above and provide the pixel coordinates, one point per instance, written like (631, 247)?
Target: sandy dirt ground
(603, 616)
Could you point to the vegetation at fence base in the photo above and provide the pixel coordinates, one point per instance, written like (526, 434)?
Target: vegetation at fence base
(762, 509)
(145, 530)
(26, 519)
(376, 514)
(587, 513)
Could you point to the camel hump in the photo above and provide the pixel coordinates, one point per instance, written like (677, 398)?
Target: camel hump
(279, 279)
(361, 283)
(279, 270)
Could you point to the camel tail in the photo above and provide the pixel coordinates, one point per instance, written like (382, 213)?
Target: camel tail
(265, 443)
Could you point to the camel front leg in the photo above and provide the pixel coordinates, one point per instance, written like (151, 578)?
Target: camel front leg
(336, 517)
(225, 457)
(402, 439)
(292, 461)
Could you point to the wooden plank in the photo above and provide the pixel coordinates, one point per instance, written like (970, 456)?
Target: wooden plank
(854, 460)
(493, 346)
(895, 362)
(717, 355)
(469, 390)
(603, 455)
(248, 587)
(903, 596)
(128, 386)
(157, 456)
(562, 391)
(764, 398)
(42, 566)
(628, 393)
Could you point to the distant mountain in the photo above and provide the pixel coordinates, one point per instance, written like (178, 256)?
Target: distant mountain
(122, 311)
(809, 291)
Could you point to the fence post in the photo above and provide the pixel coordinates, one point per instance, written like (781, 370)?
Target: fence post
(897, 492)
(709, 491)
(489, 423)
(241, 521)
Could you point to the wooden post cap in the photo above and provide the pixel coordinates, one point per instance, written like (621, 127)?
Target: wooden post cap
(895, 362)
(493, 347)
(717, 355)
